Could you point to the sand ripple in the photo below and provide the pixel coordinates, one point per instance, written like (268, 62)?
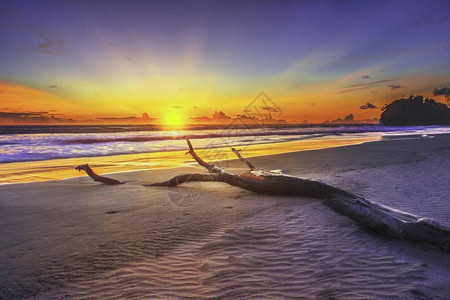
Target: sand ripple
(283, 252)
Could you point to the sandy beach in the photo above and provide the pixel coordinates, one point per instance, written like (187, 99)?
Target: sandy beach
(78, 239)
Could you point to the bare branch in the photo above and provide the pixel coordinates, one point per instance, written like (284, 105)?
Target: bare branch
(210, 167)
(245, 161)
(96, 177)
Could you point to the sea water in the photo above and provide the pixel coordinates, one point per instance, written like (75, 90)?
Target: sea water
(32, 143)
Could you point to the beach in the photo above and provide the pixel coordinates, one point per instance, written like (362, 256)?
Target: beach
(79, 239)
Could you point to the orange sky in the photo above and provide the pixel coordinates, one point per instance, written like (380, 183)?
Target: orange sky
(176, 106)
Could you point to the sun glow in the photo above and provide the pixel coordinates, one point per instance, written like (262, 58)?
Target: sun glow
(174, 119)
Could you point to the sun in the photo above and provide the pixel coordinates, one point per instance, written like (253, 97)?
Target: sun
(173, 119)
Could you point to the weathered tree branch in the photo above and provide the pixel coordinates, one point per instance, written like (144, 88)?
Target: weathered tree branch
(210, 167)
(249, 164)
(380, 218)
(96, 177)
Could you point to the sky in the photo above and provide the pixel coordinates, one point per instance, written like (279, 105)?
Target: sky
(180, 61)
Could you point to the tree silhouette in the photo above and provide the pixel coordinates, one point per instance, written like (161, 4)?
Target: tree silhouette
(415, 110)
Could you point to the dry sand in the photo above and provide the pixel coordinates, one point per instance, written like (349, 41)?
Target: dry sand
(80, 239)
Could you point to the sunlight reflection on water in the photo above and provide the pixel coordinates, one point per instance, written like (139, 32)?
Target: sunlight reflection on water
(38, 157)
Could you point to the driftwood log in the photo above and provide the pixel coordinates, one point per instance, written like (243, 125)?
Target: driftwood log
(96, 177)
(382, 219)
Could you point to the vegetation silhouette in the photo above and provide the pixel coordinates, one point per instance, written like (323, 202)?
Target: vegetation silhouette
(415, 110)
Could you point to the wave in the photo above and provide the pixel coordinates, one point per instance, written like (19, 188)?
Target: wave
(137, 139)
(145, 136)
(42, 129)
(44, 146)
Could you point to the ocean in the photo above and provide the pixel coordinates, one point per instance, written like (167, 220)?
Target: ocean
(35, 143)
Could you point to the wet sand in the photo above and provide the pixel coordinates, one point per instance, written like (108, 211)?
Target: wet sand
(84, 240)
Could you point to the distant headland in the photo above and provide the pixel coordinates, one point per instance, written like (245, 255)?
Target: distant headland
(415, 110)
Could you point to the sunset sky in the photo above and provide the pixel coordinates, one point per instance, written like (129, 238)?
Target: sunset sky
(177, 60)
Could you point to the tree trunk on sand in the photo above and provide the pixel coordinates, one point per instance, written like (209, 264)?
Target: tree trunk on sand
(380, 218)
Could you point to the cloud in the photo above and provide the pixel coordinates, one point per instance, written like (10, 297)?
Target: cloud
(18, 114)
(394, 87)
(443, 91)
(201, 119)
(31, 118)
(373, 120)
(44, 117)
(430, 21)
(349, 118)
(369, 84)
(51, 43)
(178, 107)
(270, 109)
(360, 86)
(52, 87)
(222, 118)
(365, 76)
(220, 115)
(131, 119)
(367, 106)
(51, 47)
(217, 116)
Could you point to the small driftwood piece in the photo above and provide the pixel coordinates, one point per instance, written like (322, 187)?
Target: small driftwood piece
(382, 219)
(96, 177)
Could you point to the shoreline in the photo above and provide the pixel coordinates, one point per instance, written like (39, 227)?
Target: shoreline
(81, 239)
(61, 169)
